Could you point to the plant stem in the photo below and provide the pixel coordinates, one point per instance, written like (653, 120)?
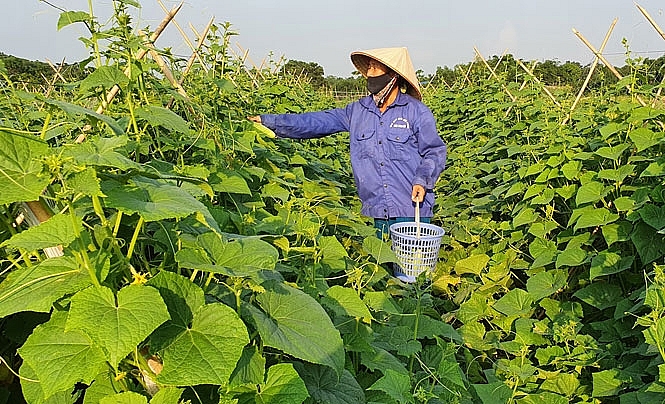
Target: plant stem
(82, 248)
(135, 236)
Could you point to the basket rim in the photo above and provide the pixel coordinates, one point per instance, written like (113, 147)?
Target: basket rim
(396, 227)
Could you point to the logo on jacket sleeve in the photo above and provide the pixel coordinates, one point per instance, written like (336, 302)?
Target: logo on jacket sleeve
(401, 123)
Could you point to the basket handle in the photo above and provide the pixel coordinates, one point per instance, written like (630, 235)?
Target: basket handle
(417, 219)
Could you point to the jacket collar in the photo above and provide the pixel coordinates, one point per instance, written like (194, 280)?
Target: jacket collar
(401, 100)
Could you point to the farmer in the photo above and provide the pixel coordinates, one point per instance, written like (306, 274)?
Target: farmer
(396, 152)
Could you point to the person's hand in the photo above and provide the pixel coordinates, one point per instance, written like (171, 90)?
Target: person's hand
(418, 193)
(255, 118)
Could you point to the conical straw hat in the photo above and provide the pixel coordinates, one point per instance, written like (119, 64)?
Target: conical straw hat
(395, 58)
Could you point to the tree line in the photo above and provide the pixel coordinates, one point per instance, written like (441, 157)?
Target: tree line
(551, 72)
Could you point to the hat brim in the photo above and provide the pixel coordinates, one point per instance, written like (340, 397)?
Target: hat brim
(361, 61)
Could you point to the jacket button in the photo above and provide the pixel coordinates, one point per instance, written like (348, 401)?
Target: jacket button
(385, 185)
(380, 123)
(397, 138)
(379, 142)
(382, 164)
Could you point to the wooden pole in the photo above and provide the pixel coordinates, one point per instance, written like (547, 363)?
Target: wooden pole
(530, 73)
(606, 63)
(196, 54)
(662, 35)
(163, 66)
(140, 54)
(512, 97)
(591, 71)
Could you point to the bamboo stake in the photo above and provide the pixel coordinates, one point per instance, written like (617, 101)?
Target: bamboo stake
(651, 20)
(496, 66)
(140, 54)
(258, 69)
(185, 37)
(162, 65)
(530, 73)
(512, 97)
(591, 71)
(662, 34)
(55, 76)
(606, 63)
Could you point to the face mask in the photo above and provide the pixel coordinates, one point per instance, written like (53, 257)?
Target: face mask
(376, 84)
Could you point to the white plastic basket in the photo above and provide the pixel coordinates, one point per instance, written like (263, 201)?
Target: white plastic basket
(416, 246)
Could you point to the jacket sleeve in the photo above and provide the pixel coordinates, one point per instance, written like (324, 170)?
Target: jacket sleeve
(309, 124)
(432, 149)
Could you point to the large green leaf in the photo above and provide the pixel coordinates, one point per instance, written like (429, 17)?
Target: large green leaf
(346, 302)
(100, 151)
(70, 17)
(396, 385)
(515, 302)
(283, 385)
(595, 217)
(182, 297)
(643, 138)
(250, 369)
(324, 386)
(77, 110)
(243, 257)
(21, 177)
(105, 76)
(653, 215)
(493, 393)
(160, 116)
(379, 250)
(572, 256)
(600, 295)
(61, 358)
(127, 397)
(607, 382)
(543, 398)
(650, 245)
(473, 264)
(58, 230)
(544, 284)
(333, 253)
(36, 288)
(154, 200)
(205, 352)
(229, 181)
(295, 323)
(590, 192)
(117, 324)
(612, 152)
(608, 263)
(33, 391)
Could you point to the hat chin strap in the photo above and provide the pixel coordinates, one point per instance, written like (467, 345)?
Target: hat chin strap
(381, 97)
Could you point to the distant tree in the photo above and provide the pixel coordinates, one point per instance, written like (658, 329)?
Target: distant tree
(310, 70)
(36, 72)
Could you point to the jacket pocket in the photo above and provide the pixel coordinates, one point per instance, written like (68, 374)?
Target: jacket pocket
(399, 146)
(363, 144)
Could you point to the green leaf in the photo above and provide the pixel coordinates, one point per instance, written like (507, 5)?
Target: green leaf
(77, 110)
(86, 182)
(590, 192)
(243, 257)
(61, 358)
(103, 385)
(543, 251)
(515, 302)
(274, 190)
(617, 175)
(396, 385)
(379, 250)
(525, 216)
(205, 352)
(58, 230)
(600, 295)
(571, 169)
(33, 391)
(655, 169)
(607, 383)
(572, 256)
(105, 76)
(295, 323)
(608, 263)
(181, 296)
(127, 397)
(333, 253)
(544, 284)
(616, 232)
(153, 200)
(346, 302)
(381, 301)
(380, 360)
(283, 385)
(612, 152)
(643, 138)
(473, 264)
(595, 217)
(250, 369)
(563, 383)
(21, 177)
(36, 288)
(653, 215)
(101, 152)
(229, 181)
(650, 245)
(167, 395)
(612, 128)
(493, 393)
(71, 17)
(324, 386)
(160, 116)
(543, 398)
(119, 324)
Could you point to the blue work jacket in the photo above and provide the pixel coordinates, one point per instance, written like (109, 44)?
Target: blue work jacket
(390, 151)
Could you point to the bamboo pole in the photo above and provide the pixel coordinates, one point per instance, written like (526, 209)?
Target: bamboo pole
(195, 54)
(139, 55)
(606, 63)
(512, 97)
(591, 71)
(496, 66)
(163, 66)
(55, 76)
(533, 76)
(662, 34)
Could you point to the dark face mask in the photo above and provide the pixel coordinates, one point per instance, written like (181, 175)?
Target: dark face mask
(376, 84)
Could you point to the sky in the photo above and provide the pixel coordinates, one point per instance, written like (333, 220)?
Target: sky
(436, 32)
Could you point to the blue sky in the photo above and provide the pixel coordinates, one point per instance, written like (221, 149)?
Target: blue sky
(437, 32)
